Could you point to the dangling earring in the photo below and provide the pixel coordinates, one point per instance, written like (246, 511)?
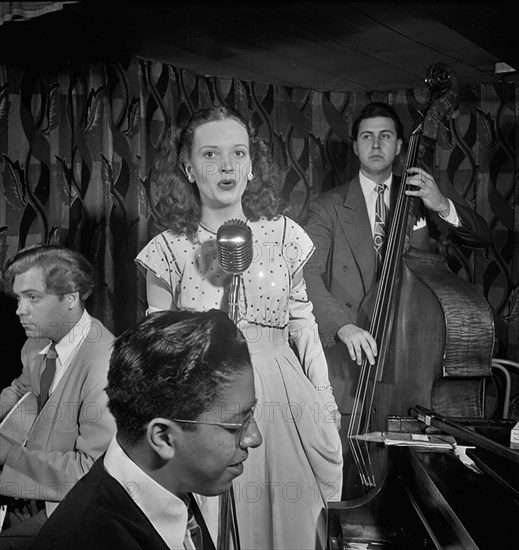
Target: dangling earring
(190, 178)
(250, 176)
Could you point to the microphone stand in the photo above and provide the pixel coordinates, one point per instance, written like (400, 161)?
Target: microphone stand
(228, 523)
(234, 290)
(234, 244)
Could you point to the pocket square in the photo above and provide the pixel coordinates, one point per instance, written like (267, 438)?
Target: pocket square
(420, 222)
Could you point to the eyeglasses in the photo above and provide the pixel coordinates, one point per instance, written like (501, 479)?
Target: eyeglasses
(247, 419)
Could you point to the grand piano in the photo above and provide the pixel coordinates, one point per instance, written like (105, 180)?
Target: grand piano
(433, 498)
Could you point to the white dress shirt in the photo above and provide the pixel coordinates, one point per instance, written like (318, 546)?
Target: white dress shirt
(67, 347)
(66, 350)
(166, 512)
(369, 190)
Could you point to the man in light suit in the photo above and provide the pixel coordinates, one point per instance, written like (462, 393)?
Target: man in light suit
(72, 425)
(343, 268)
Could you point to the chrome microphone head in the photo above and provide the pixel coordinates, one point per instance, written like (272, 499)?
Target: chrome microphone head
(234, 246)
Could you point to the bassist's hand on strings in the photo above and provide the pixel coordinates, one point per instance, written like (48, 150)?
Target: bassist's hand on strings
(357, 341)
(424, 186)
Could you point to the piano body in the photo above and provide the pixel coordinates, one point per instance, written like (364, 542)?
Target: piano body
(431, 499)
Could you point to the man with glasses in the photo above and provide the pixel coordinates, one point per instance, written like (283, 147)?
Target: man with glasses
(181, 389)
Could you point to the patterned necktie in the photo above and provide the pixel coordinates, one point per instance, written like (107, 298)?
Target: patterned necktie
(379, 232)
(193, 538)
(47, 375)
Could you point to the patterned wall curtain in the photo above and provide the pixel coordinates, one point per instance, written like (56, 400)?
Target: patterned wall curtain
(77, 150)
(70, 172)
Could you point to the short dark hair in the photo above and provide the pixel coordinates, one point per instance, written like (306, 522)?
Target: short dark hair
(172, 364)
(64, 269)
(375, 109)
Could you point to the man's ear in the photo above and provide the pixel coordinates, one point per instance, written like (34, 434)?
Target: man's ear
(163, 436)
(398, 146)
(72, 299)
(355, 150)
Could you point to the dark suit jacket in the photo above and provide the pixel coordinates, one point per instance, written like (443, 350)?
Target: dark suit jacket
(342, 268)
(98, 514)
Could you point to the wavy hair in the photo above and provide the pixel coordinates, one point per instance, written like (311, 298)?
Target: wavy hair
(64, 270)
(178, 204)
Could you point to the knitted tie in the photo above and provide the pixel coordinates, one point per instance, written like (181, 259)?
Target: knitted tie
(47, 375)
(379, 232)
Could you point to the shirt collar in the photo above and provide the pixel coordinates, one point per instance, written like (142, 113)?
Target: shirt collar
(166, 512)
(368, 185)
(71, 341)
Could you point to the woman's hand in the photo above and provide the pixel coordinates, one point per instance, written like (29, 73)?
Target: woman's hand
(336, 414)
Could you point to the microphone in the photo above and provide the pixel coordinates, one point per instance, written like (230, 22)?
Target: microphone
(234, 246)
(234, 251)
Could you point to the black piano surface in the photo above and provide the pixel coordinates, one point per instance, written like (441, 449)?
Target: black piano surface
(430, 499)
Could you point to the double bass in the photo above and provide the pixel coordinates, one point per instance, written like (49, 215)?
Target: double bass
(434, 331)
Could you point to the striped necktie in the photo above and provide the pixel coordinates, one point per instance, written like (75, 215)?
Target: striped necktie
(193, 538)
(380, 229)
(197, 535)
(47, 375)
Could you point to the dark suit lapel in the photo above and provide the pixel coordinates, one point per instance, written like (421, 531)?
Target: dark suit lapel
(354, 220)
